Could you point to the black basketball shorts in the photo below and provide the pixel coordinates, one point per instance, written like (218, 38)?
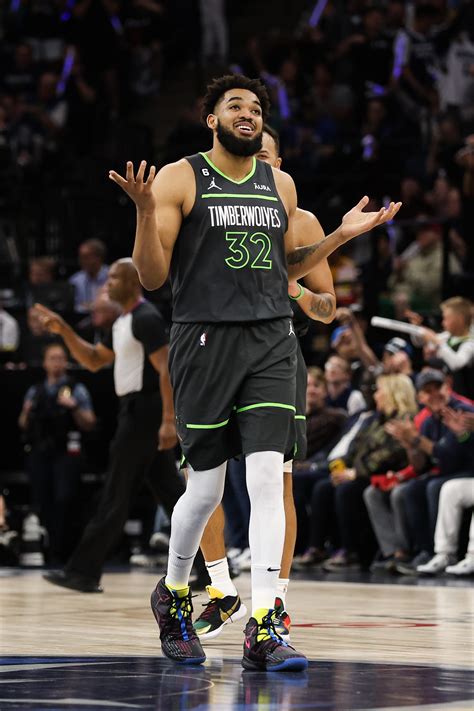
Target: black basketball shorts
(234, 388)
(301, 446)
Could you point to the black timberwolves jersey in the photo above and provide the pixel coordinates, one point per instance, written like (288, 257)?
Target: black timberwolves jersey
(229, 262)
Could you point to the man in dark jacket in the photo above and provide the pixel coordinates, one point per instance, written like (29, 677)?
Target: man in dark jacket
(438, 454)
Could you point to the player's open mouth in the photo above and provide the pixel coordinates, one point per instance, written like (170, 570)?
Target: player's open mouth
(245, 129)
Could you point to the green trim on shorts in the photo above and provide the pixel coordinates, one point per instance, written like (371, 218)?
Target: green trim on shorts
(267, 404)
(300, 417)
(207, 427)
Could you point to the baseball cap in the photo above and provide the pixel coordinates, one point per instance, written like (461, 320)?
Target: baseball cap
(429, 376)
(337, 333)
(397, 344)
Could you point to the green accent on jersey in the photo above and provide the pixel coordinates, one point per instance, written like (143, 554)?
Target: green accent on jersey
(237, 182)
(239, 195)
(281, 405)
(207, 427)
(265, 241)
(300, 417)
(241, 250)
(237, 246)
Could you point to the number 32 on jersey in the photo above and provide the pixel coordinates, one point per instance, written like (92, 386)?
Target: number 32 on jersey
(243, 249)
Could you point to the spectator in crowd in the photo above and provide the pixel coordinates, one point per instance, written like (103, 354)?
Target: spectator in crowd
(348, 340)
(92, 275)
(324, 425)
(34, 340)
(98, 324)
(373, 451)
(337, 373)
(369, 52)
(438, 455)
(455, 346)
(414, 62)
(215, 42)
(456, 497)
(397, 353)
(9, 332)
(456, 79)
(344, 273)
(397, 357)
(323, 527)
(323, 422)
(419, 269)
(41, 273)
(19, 79)
(54, 414)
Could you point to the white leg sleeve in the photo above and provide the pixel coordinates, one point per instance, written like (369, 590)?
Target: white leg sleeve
(203, 493)
(267, 524)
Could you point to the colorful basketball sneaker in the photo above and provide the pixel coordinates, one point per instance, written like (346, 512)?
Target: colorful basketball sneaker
(282, 620)
(265, 650)
(173, 612)
(219, 611)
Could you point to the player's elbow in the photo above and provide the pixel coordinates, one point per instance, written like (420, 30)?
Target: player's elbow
(150, 280)
(330, 318)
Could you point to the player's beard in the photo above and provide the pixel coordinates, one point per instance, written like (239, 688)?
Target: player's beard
(242, 147)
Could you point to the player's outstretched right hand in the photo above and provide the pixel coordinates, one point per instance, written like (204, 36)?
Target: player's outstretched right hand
(138, 189)
(50, 320)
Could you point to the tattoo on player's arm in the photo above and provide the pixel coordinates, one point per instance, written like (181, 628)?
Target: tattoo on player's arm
(322, 305)
(299, 255)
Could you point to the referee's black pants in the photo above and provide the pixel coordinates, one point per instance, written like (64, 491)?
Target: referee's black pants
(133, 457)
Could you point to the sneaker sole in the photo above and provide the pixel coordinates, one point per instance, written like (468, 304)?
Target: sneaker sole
(294, 664)
(187, 660)
(241, 612)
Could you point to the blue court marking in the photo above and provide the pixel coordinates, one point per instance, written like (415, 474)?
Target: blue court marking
(152, 683)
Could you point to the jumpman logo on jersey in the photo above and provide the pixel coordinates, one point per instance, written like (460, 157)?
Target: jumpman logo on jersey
(291, 332)
(213, 184)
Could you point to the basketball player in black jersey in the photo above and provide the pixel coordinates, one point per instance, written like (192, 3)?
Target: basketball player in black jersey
(317, 301)
(222, 222)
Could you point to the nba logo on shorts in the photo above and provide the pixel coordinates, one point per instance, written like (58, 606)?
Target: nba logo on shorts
(202, 340)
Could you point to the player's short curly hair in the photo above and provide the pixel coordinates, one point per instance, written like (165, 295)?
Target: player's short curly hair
(274, 135)
(217, 88)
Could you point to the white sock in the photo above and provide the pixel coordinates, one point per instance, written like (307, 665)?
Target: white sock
(282, 589)
(219, 573)
(267, 525)
(203, 493)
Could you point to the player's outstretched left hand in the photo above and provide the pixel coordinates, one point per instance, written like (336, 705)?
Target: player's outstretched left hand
(356, 222)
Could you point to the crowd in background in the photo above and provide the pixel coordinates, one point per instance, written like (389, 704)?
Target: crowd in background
(369, 98)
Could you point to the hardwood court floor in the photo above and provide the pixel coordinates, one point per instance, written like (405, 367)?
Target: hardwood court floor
(414, 644)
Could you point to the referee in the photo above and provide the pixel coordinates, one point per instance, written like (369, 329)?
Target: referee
(138, 347)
